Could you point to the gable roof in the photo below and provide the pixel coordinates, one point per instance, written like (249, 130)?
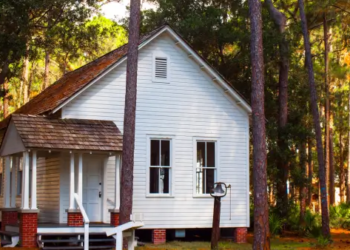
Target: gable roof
(73, 83)
(36, 131)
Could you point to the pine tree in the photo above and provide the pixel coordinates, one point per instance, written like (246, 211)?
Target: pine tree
(261, 217)
(127, 175)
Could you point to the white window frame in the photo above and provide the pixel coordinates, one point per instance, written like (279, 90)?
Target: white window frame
(162, 55)
(217, 163)
(172, 165)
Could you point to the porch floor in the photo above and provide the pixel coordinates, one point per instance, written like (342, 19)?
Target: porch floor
(60, 225)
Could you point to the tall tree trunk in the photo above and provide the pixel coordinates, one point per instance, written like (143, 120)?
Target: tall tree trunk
(127, 175)
(47, 70)
(261, 216)
(310, 173)
(5, 106)
(303, 189)
(348, 180)
(341, 167)
(24, 77)
(327, 103)
(316, 119)
(331, 169)
(3, 81)
(280, 21)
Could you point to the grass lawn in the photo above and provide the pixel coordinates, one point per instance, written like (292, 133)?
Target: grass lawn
(340, 237)
(276, 244)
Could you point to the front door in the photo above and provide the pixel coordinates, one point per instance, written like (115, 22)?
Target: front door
(92, 188)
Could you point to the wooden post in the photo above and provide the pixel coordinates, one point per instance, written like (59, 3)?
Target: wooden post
(7, 182)
(34, 182)
(71, 186)
(80, 178)
(215, 234)
(117, 183)
(25, 181)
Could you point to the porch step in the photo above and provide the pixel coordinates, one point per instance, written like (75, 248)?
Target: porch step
(9, 238)
(67, 241)
(78, 247)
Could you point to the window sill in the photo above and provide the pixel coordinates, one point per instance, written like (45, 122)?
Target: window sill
(159, 196)
(202, 196)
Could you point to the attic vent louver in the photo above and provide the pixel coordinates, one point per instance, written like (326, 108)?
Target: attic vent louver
(161, 68)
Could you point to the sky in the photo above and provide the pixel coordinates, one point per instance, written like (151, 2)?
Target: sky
(117, 10)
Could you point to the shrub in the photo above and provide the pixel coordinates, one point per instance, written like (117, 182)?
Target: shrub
(275, 224)
(322, 241)
(340, 216)
(312, 224)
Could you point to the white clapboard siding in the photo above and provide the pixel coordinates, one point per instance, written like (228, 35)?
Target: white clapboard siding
(48, 176)
(189, 105)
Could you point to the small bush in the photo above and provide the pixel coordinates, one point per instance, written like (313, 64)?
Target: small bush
(322, 241)
(276, 224)
(312, 224)
(340, 216)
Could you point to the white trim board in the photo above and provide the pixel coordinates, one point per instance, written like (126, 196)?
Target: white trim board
(178, 41)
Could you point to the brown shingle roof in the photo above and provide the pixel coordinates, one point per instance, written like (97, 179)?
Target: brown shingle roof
(70, 134)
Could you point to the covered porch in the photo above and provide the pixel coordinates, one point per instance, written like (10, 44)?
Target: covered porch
(55, 171)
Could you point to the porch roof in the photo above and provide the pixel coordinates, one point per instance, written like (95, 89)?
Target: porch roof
(64, 134)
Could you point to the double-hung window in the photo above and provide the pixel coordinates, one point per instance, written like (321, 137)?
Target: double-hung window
(160, 166)
(206, 166)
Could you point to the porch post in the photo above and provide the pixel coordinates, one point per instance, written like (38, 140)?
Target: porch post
(71, 187)
(115, 212)
(25, 181)
(34, 160)
(13, 181)
(117, 183)
(80, 177)
(7, 182)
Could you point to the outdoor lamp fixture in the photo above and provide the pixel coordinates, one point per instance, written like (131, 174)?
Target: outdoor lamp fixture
(219, 191)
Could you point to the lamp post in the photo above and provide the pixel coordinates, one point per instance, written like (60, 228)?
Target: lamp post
(219, 191)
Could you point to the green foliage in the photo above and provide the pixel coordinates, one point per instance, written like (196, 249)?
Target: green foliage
(340, 216)
(71, 33)
(275, 224)
(310, 226)
(322, 241)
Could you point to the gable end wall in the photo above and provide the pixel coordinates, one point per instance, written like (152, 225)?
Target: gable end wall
(191, 105)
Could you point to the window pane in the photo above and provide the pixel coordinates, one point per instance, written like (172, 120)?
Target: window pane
(211, 154)
(201, 154)
(154, 152)
(165, 157)
(164, 180)
(19, 182)
(199, 181)
(209, 179)
(154, 181)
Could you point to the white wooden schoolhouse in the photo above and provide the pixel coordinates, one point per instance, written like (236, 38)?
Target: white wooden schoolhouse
(62, 150)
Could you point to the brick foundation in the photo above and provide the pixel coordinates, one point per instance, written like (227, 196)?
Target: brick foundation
(28, 226)
(159, 236)
(240, 235)
(114, 219)
(75, 219)
(8, 217)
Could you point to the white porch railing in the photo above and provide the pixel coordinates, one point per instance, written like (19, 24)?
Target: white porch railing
(126, 230)
(86, 221)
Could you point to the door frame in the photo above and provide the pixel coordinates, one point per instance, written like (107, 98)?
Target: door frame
(99, 159)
